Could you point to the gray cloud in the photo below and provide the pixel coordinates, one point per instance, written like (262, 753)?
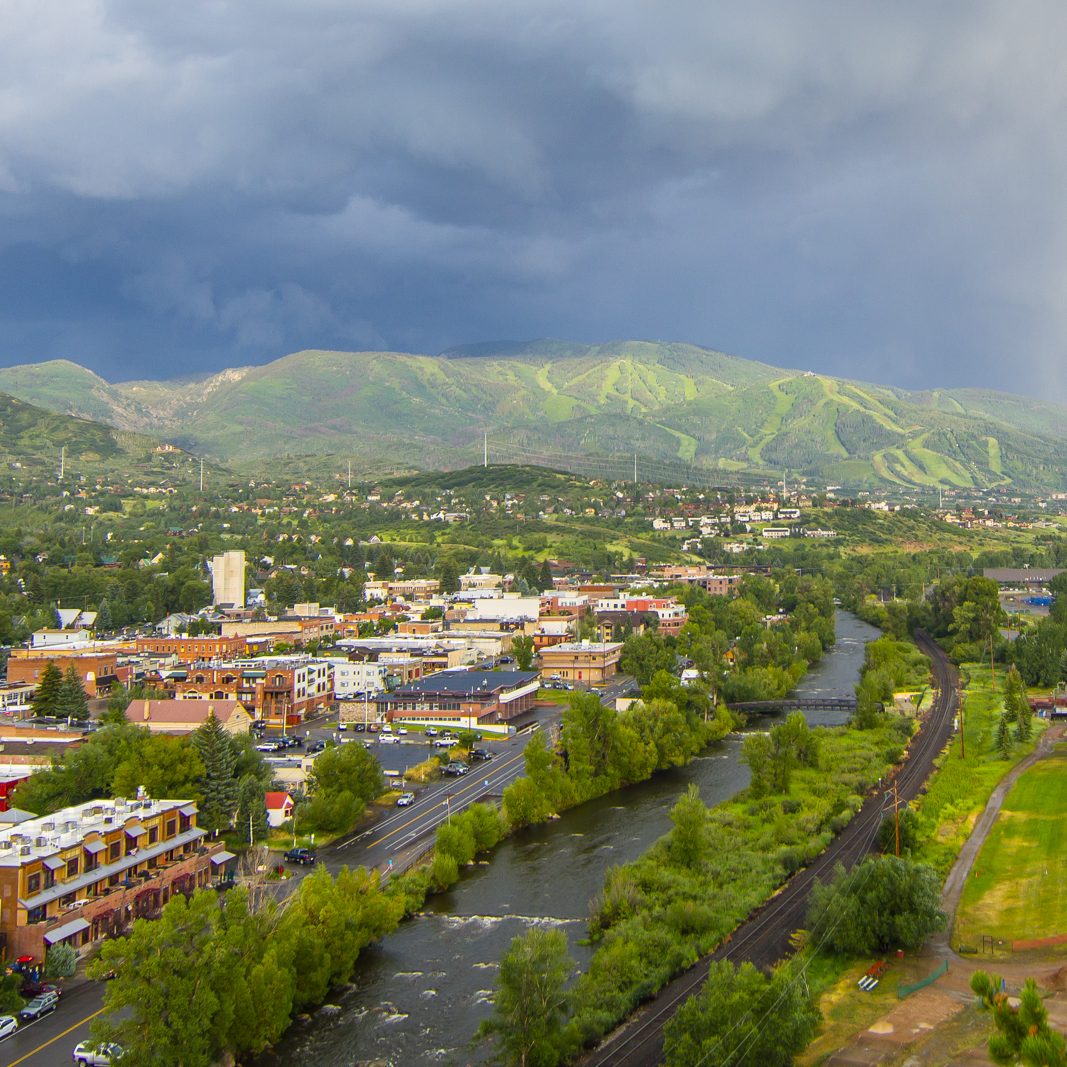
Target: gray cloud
(863, 189)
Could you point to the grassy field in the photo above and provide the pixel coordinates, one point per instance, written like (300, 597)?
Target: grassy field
(963, 783)
(1018, 890)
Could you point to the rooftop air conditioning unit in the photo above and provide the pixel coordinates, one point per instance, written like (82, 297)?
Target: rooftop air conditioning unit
(109, 819)
(25, 850)
(41, 842)
(48, 826)
(4, 846)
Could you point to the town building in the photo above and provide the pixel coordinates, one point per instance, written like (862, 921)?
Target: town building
(203, 649)
(228, 578)
(468, 700)
(185, 716)
(98, 671)
(588, 662)
(87, 872)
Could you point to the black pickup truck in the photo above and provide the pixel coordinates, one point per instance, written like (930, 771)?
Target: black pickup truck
(303, 856)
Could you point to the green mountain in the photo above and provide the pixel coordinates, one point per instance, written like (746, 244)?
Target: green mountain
(37, 441)
(685, 411)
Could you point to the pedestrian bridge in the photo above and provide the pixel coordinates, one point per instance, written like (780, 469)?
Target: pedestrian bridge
(765, 707)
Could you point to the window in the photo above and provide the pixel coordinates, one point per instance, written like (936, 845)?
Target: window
(33, 883)
(113, 851)
(72, 868)
(170, 828)
(153, 834)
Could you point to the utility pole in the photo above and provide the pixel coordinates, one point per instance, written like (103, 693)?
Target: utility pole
(201, 474)
(349, 474)
(635, 468)
(992, 668)
(963, 745)
(485, 449)
(62, 461)
(896, 818)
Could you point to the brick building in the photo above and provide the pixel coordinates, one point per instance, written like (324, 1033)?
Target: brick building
(194, 649)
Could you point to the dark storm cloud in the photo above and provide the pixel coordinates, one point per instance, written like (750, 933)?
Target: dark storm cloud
(863, 189)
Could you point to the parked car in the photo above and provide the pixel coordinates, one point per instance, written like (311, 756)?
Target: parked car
(304, 857)
(430, 731)
(30, 990)
(88, 1054)
(273, 745)
(258, 724)
(39, 1007)
(360, 727)
(315, 746)
(445, 742)
(481, 754)
(402, 730)
(405, 800)
(388, 739)
(455, 770)
(8, 1025)
(290, 741)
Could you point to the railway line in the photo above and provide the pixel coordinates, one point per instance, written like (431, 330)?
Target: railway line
(763, 938)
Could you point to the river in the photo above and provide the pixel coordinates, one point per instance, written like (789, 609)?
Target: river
(422, 992)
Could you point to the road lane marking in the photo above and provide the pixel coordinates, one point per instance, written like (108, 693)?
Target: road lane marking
(53, 1040)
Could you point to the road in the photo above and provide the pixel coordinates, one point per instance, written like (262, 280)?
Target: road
(763, 938)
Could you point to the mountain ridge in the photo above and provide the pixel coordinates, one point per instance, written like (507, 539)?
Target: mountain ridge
(673, 403)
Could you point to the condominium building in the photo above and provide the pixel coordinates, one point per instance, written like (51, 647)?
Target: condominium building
(88, 871)
(228, 578)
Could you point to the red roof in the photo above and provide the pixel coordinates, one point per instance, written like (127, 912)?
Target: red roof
(278, 800)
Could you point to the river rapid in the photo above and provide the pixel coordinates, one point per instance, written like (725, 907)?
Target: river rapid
(421, 993)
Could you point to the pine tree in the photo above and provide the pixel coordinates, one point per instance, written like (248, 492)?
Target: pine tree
(1003, 738)
(546, 576)
(251, 810)
(220, 790)
(73, 704)
(1024, 725)
(46, 697)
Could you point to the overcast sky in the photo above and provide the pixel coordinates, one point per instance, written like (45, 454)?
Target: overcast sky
(867, 189)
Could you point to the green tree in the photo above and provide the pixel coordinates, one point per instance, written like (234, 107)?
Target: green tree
(882, 903)
(1004, 741)
(250, 821)
(60, 961)
(347, 767)
(1023, 1033)
(165, 766)
(73, 703)
(545, 577)
(446, 573)
(523, 647)
(48, 694)
(645, 654)
(530, 1006)
(688, 841)
(742, 1018)
(219, 788)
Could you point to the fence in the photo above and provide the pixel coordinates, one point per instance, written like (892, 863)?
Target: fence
(907, 990)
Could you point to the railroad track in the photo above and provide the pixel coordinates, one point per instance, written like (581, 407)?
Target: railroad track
(763, 938)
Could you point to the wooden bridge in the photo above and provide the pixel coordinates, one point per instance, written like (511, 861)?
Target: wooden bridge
(765, 707)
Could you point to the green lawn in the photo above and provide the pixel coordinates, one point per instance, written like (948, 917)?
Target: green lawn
(1018, 889)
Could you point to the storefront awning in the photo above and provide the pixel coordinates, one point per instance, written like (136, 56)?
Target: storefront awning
(135, 829)
(95, 846)
(222, 857)
(188, 809)
(61, 933)
(54, 863)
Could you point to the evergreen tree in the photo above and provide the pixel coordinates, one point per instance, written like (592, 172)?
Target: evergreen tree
(1003, 738)
(545, 577)
(46, 697)
(73, 703)
(220, 789)
(1024, 723)
(251, 821)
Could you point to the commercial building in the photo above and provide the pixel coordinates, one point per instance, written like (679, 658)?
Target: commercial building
(194, 649)
(228, 578)
(468, 700)
(89, 871)
(98, 671)
(588, 662)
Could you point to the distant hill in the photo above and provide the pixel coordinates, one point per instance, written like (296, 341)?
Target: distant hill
(35, 439)
(678, 406)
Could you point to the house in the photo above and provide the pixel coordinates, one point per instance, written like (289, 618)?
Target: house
(88, 871)
(185, 716)
(279, 808)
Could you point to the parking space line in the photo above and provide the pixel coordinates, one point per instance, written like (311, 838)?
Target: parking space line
(53, 1040)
